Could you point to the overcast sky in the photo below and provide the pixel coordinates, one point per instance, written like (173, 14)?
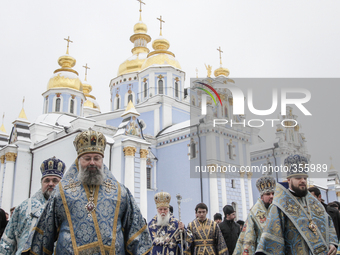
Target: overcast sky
(259, 38)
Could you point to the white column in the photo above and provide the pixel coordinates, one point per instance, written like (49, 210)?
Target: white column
(213, 194)
(2, 158)
(143, 186)
(8, 183)
(129, 176)
(156, 121)
(223, 185)
(243, 195)
(250, 190)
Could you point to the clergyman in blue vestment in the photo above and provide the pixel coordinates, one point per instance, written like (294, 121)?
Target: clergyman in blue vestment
(90, 212)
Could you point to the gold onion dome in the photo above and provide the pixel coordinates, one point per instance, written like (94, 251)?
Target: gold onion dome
(140, 51)
(161, 55)
(65, 77)
(90, 100)
(222, 71)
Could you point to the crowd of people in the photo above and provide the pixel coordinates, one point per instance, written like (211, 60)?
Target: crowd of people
(87, 211)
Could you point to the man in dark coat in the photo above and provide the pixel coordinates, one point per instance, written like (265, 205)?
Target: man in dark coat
(229, 228)
(333, 212)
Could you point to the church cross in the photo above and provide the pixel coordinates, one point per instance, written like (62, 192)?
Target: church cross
(140, 9)
(196, 72)
(219, 49)
(161, 21)
(68, 43)
(86, 67)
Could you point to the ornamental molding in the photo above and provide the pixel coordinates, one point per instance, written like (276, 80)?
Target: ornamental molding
(2, 158)
(143, 153)
(11, 156)
(129, 151)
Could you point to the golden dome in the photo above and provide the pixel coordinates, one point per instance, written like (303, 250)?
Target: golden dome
(65, 77)
(90, 100)
(140, 51)
(140, 27)
(161, 55)
(221, 71)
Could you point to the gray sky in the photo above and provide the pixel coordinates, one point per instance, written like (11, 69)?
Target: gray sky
(261, 38)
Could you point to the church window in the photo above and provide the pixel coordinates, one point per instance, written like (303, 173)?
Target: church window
(57, 105)
(145, 90)
(72, 106)
(148, 177)
(226, 112)
(234, 205)
(160, 87)
(192, 149)
(270, 167)
(176, 89)
(233, 185)
(117, 106)
(46, 105)
(130, 98)
(231, 151)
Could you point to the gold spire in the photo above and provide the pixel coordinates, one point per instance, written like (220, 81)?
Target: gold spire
(130, 106)
(160, 21)
(221, 71)
(68, 42)
(22, 114)
(130, 109)
(219, 49)
(86, 67)
(140, 9)
(2, 128)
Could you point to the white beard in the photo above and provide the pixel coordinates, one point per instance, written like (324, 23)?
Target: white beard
(163, 221)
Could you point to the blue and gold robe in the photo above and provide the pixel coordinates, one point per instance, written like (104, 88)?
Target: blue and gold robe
(166, 239)
(22, 221)
(115, 227)
(296, 226)
(207, 238)
(252, 229)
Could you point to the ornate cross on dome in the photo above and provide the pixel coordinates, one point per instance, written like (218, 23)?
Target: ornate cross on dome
(86, 67)
(140, 9)
(68, 42)
(219, 49)
(161, 21)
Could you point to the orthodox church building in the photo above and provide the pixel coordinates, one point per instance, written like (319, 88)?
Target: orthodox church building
(155, 134)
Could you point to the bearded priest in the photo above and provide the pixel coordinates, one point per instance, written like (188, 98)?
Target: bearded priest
(166, 230)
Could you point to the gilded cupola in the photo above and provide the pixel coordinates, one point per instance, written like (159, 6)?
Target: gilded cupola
(140, 39)
(65, 77)
(221, 70)
(161, 55)
(87, 88)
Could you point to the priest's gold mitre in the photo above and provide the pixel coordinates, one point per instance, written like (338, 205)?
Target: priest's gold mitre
(265, 184)
(162, 199)
(90, 141)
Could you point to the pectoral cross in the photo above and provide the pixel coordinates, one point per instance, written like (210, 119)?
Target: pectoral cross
(109, 185)
(72, 185)
(161, 21)
(86, 67)
(219, 49)
(68, 43)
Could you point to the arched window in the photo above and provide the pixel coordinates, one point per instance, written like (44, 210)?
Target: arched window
(226, 112)
(160, 87)
(117, 106)
(176, 89)
(192, 149)
(57, 105)
(233, 185)
(72, 106)
(234, 205)
(130, 98)
(46, 105)
(145, 90)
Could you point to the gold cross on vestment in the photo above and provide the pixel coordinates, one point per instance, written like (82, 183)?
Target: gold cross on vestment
(109, 185)
(72, 185)
(68, 43)
(86, 67)
(219, 49)
(161, 21)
